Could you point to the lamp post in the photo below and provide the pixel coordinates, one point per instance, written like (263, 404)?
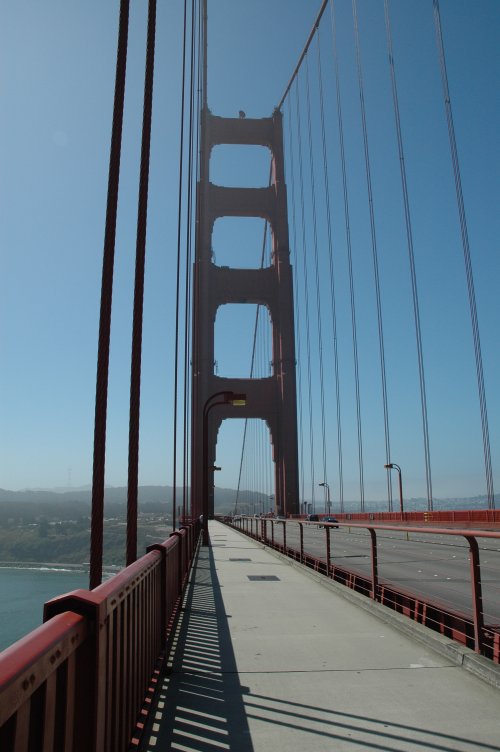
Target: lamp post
(221, 398)
(212, 470)
(328, 501)
(393, 466)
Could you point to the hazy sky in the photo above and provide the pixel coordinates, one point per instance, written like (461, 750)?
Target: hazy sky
(57, 62)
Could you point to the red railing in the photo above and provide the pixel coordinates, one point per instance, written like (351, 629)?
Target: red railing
(445, 516)
(80, 682)
(467, 628)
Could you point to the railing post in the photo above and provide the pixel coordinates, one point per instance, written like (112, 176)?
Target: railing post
(185, 552)
(284, 537)
(301, 533)
(477, 595)
(373, 536)
(90, 695)
(272, 532)
(163, 579)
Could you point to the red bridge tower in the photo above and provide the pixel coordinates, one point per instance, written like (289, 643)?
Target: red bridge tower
(272, 399)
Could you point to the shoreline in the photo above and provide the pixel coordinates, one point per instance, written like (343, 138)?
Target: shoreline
(57, 565)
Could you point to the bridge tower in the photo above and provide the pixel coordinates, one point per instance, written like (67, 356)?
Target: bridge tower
(273, 398)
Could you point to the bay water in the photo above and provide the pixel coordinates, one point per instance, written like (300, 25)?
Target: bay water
(24, 590)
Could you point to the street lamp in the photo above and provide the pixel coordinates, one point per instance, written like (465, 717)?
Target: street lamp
(328, 502)
(222, 398)
(393, 466)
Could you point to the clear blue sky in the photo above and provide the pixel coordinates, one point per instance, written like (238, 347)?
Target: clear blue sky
(57, 63)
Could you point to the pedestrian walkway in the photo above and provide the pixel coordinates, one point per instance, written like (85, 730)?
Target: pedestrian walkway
(266, 658)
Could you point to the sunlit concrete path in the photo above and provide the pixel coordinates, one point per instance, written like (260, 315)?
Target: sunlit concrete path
(266, 658)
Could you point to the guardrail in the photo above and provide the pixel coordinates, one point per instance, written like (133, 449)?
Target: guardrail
(80, 682)
(436, 516)
(470, 630)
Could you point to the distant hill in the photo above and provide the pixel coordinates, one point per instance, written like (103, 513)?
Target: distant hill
(68, 504)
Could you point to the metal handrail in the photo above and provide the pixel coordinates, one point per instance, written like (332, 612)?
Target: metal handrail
(80, 680)
(246, 524)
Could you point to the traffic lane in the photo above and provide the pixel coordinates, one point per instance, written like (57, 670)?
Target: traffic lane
(431, 570)
(312, 529)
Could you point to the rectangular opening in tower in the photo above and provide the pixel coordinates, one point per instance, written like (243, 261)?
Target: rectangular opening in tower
(243, 341)
(241, 242)
(240, 166)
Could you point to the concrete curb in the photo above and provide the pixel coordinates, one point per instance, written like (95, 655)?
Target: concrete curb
(477, 665)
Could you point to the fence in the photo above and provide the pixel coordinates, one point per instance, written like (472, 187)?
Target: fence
(80, 682)
(467, 626)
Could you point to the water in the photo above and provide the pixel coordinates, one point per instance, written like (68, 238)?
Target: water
(23, 591)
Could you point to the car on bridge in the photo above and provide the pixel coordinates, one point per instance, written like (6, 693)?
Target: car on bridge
(330, 521)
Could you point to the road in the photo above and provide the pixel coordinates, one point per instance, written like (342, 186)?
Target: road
(434, 567)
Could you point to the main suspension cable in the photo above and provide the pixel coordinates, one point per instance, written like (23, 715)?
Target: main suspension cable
(303, 54)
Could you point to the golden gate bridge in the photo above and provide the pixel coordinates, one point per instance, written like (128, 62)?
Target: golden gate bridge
(353, 364)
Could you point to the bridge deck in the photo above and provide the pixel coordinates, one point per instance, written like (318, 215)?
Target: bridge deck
(283, 664)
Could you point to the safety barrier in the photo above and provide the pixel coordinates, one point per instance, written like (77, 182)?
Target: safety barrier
(464, 517)
(81, 681)
(438, 516)
(470, 630)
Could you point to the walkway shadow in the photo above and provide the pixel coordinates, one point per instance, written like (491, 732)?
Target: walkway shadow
(324, 728)
(200, 703)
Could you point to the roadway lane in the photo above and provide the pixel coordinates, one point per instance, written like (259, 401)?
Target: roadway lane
(432, 567)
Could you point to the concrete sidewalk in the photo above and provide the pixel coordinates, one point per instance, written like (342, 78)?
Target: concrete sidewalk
(267, 659)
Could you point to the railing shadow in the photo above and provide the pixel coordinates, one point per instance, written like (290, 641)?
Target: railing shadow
(332, 729)
(199, 704)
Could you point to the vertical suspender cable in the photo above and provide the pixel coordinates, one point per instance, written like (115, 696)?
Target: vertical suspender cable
(316, 268)
(375, 264)
(467, 259)
(178, 270)
(195, 506)
(101, 400)
(204, 79)
(297, 308)
(306, 293)
(333, 297)
(409, 235)
(142, 216)
(252, 363)
(187, 302)
(351, 289)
